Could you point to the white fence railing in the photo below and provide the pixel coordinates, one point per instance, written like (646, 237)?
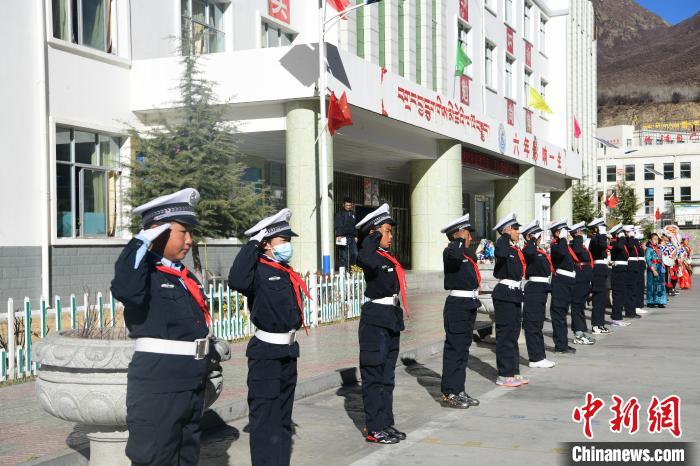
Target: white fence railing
(334, 297)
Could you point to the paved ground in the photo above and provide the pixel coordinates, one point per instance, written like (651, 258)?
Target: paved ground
(656, 355)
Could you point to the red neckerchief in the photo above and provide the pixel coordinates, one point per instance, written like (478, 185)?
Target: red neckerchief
(298, 284)
(401, 274)
(656, 250)
(476, 269)
(549, 259)
(192, 287)
(590, 256)
(573, 255)
(522, 259)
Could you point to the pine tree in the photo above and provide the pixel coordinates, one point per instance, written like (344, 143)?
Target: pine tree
(194, 146)
(583, 205)
(627, 206)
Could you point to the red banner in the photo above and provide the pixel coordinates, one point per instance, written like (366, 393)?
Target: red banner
(509, 40)
(279, 9)
(528, 54)
(464, 82)
(511, 112)
(464, 9)
(528, 121)
(481, 161)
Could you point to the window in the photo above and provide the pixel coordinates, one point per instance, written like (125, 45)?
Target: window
(84, 22)
(649, 201)
(610, 173)
(509, 78)
(86, 183)
(202, 25)
(668, 199)
(685, 193)
(598, 174)
(527, 24)
(685, 170)
(629, 172)
(543, 34)
(527, 82)
(273, 36)
(509, 11)
(488, 65)
(490, 5)
(463, 37)
(628, 143)
(649, 174)
(668, 171)
(543, 92)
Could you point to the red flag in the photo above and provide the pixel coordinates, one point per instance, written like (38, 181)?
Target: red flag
(338, 113)
(338, 5)
(612, 201)
(657, 214)
(577, 129)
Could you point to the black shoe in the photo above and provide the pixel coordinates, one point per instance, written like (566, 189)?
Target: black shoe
(661, 306)
(381, 437)
(464, 396)
(567, 350)
(395, 432)
(453, 401)
(635, 316)
(651, 305)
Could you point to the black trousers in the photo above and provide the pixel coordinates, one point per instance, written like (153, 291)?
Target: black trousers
(631, 278)
(641, 283)
(508, 324)
(580, 292)
(347, 255)
(562, 290)
(163, 427)
(459, 318)
(599, 290)
(271, 385)
(379, 350)
(618, 284)
(534, 308)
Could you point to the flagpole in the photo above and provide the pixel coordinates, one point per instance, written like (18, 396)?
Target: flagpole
(323, 26)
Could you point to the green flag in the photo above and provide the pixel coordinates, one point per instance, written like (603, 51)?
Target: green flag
(462, 60)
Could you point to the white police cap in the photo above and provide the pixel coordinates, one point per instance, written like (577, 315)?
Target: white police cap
(531, 228)
(558, 224)
(578, 226)
(276, 225)
(509, 220)
(176, 207)
(628, 228)
(596, 222)
(376, 218)
(462, 223)
(615, 229)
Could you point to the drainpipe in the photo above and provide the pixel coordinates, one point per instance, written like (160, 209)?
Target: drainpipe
(42, 92)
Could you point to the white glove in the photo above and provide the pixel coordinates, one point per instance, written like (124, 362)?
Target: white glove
(147, 237)
(259, 235)
(602, 230)
(563, 233)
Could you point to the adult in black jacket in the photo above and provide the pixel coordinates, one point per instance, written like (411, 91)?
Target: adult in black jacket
(165, 311)
(462, 279)
(564, 261)
(345, 232)
(634, 274)
(582, 288)
(507, 301)
(262, 273)
(536, 289)
(598, 246)
(381, 323)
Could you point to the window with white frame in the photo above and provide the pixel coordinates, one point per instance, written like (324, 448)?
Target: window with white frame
(527, 82)
(489, 70)
(272, 35)
(202, 26)
(543, 34)
(509, 78)
(86, 22)
(685, 193)
(527, 22)
(463, 37)
(508, 9)
(87, 166)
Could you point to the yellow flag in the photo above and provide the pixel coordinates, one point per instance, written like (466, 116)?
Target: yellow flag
(537, 101)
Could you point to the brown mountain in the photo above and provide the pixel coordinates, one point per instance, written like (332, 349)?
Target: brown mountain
(646, 68)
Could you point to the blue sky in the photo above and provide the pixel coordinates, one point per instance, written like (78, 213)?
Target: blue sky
(673, 11)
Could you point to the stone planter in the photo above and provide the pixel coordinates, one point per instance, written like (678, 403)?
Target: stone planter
(83, 380)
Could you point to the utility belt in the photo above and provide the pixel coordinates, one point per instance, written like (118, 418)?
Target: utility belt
(539, 279)
(465, 294)
(388, 300)
(619, 263)
(566, 273)
(286, 338)
(509, 283)
(601, 261)
(198, 349)
(636, 258)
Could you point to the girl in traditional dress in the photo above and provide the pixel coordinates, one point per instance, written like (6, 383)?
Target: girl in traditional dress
(685, 281)
(656, 289)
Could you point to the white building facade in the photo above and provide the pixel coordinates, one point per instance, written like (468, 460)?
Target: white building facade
(432, 144)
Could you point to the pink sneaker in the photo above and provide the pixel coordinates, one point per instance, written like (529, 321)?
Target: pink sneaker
(510, 382)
